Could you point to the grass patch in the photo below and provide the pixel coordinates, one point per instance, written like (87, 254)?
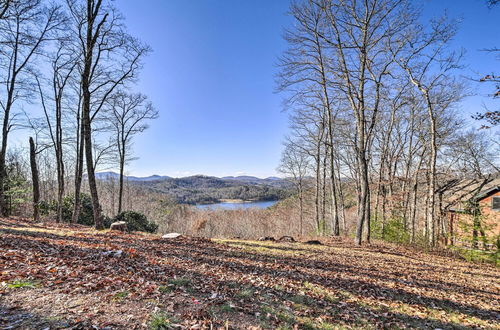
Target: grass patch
(119, 296)
(245, 293)
(20, 284)
(479, 256)
(179, 282)
(321, 292)
(159, 320)
(226, 308)
(166, 288)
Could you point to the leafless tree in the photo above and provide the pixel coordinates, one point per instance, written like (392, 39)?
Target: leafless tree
(26, 28)
(127, 114)
(63, 63)
(110, 57)
(429, 65)
(295, 165)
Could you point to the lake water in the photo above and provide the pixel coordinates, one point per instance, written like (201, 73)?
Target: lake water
(235, 206)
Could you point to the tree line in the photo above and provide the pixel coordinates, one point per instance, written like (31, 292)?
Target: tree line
(373, 93)
(69, 72)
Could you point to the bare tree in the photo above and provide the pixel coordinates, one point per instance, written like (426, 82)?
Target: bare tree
(109, 58)
(26, 28)
(295, 165)
(128, 115)
(429, 66)
(63, 63)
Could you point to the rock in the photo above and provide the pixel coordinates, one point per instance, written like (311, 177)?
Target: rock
(120, 226)
(171, 235)
(286, 239)
(118, 253)
(267, 238)
(313, 242)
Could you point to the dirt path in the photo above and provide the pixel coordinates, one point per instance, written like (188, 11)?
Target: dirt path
(72, 277)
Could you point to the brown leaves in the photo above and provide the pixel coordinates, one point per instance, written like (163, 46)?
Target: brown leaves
(201, 283)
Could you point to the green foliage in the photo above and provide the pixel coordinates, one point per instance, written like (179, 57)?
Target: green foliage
(136, 221)
(391, 230)
(165, 288)
(480, 256)
(19, 284)
(181, 281)
(17, 188)
(159, 321)
(86, 216)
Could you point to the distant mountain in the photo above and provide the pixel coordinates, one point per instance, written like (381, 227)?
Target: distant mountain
(272, 180)
(208, 189)
(114, 175)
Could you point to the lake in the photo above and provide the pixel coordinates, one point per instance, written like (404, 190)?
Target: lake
(235, 206)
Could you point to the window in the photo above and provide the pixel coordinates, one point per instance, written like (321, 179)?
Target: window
(495, 203)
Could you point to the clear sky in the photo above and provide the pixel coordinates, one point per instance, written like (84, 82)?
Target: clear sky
(211, 76)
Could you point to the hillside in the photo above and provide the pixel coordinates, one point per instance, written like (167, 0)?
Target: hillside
(208, 189)
(72, 277)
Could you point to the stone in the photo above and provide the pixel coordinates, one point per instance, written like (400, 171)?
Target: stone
(120, 226)
(267, 238)
(286, 239)
(171, 235)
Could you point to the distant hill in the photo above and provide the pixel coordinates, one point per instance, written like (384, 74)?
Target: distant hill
(208, 189)
(114, 175)
(272, 180)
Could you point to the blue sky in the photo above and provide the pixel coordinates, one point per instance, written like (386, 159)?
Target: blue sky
(211, 76)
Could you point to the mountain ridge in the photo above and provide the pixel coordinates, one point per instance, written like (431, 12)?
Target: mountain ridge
(209, 189)
(112, 174)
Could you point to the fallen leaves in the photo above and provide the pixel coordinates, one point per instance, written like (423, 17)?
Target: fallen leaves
(126, 280)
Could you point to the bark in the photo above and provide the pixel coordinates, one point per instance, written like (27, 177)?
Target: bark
(120, 193)
(87, 128)
(430, 217)
(78, 171)
(35, 180)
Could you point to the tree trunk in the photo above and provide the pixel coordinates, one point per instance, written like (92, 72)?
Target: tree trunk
(78, 172)
(60, 162)
(301, 205)
(87, 128)
(120, 193)
(432, 175)
(35, 179)
(363, 210)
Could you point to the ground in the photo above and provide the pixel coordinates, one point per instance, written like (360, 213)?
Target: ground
(72, 277)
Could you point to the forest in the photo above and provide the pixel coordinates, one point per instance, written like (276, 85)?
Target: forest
(387, 187)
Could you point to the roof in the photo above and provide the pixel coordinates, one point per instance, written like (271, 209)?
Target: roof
(463, 190)
(487, 193)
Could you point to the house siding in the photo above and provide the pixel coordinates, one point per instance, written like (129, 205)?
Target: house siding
(461, 225)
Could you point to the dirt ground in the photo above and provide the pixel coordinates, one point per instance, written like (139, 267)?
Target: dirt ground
(73, 277)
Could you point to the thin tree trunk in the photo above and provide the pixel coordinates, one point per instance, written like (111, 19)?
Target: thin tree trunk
(430, 217)
(301, 205)
(35, 179)
(78, 172)
(316, 196)
(120, 192)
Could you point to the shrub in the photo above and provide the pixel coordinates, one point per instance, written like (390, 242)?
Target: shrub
(86, 211)
(136, 221)
(393, 230)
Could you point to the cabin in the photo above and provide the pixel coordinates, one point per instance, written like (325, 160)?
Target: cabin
(475, 221)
